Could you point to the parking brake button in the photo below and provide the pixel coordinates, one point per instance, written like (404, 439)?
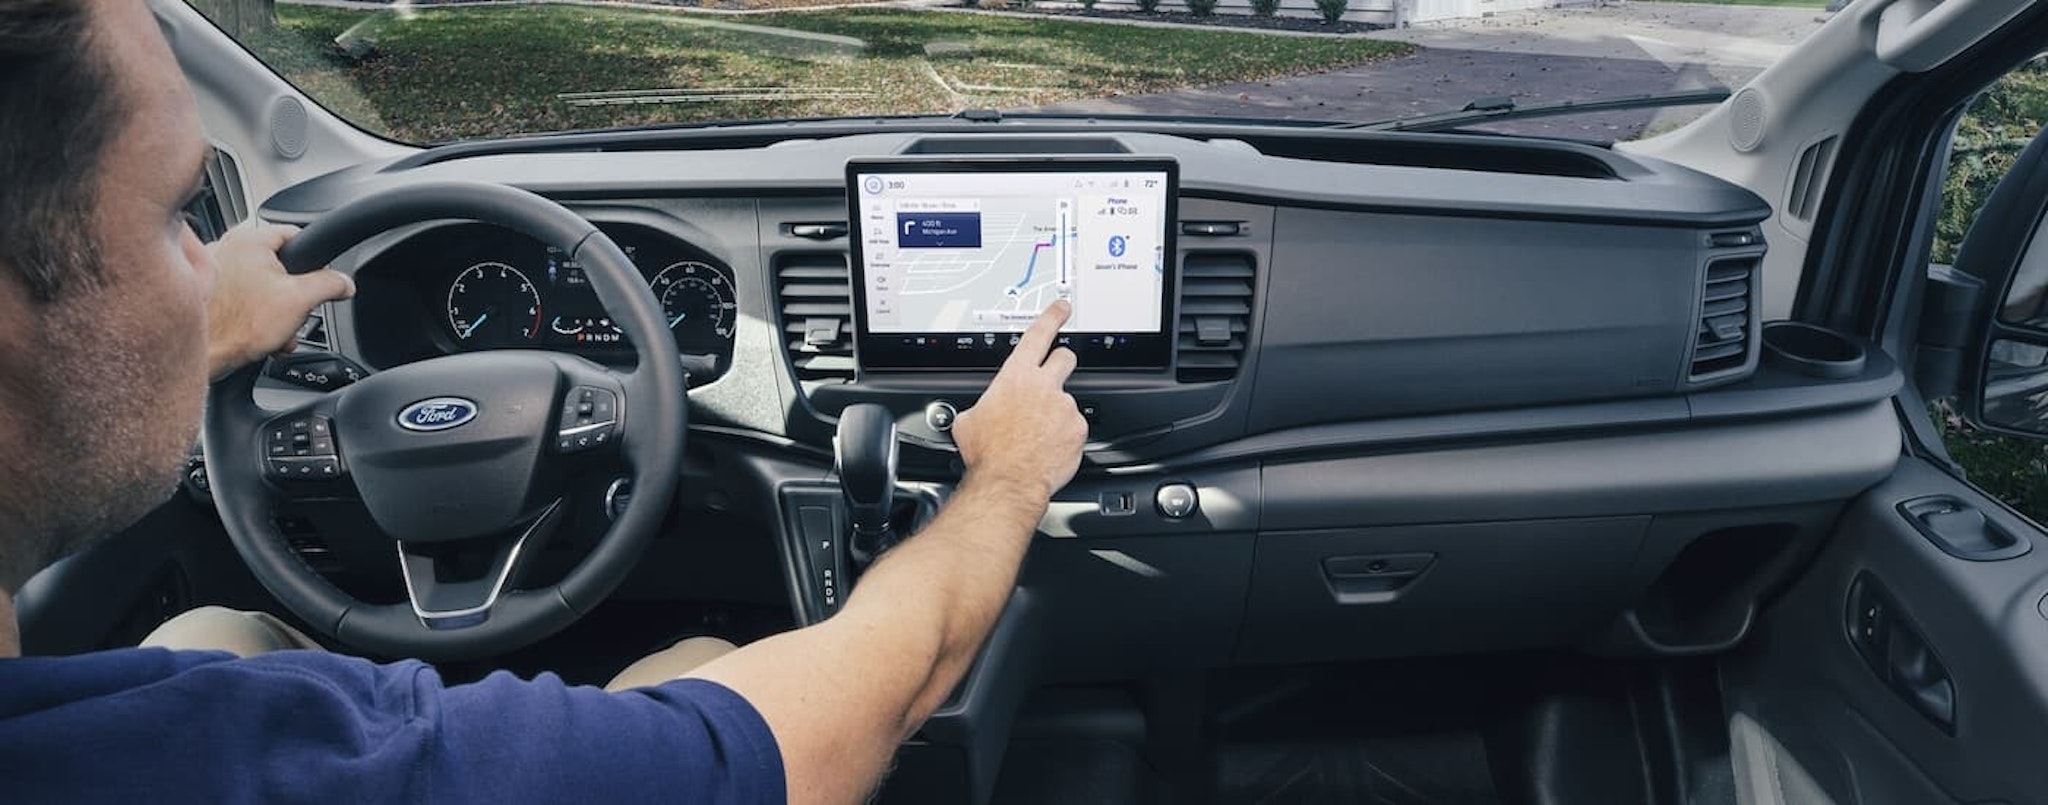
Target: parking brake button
(1176, 501)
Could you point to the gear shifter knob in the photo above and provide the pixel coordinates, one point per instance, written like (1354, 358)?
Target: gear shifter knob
(865, 452)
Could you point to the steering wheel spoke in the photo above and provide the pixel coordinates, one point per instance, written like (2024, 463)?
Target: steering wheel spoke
(456, 586)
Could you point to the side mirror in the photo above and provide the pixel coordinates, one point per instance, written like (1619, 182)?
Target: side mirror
(2014, 397)
(2004, 386)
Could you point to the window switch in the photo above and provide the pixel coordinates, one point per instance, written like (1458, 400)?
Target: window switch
(1119, 504)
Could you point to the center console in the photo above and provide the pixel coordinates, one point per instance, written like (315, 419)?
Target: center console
(948, 259)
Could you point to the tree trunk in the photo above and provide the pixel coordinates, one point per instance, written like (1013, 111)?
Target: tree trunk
(239, 18)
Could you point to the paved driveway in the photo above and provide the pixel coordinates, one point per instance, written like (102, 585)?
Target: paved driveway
(1535, 56)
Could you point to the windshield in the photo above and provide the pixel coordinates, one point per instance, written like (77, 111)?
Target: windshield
(484, 69)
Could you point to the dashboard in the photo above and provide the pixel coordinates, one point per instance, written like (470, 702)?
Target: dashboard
(1412, 395)
(469, 286)
(1308, 279)
(1527, 371)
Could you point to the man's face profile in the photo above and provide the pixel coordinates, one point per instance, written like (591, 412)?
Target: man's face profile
(103, 383)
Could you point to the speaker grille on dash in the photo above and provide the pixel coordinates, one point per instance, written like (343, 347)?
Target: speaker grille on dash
(288, 127)
(1746, 118)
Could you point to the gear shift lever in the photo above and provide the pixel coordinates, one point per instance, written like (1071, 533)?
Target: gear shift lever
(865, 452)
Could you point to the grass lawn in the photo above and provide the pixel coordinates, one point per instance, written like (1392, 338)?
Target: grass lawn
(480, 72)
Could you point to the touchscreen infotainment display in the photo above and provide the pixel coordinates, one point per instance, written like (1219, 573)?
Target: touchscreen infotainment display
(953, 259)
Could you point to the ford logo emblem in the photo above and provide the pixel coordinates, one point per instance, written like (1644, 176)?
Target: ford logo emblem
(439, 413)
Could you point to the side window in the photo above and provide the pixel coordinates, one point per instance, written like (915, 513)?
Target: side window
(1990, 136)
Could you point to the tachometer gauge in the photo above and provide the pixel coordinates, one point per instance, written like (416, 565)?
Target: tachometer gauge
(698, 301)
(492, 303)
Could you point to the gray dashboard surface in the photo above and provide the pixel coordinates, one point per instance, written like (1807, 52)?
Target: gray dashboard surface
(1639, 191)
(1441, 314)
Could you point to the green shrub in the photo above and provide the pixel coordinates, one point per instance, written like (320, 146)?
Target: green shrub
(1201, 8)
(1332, 10)
(1148, 6)
(1089, 4)
(1990, 136)
(1265, 8)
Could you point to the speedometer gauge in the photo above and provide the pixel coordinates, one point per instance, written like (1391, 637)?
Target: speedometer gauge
(492, 303)
(698, 301)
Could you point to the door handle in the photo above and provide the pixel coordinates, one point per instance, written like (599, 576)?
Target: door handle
(1960, 530)
(1375, 578)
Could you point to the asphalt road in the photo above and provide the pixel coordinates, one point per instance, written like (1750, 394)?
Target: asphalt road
(1550, 55)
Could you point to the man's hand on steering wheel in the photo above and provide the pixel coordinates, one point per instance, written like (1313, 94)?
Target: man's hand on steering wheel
(256, 307)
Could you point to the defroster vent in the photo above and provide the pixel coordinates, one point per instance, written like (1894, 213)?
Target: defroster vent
(1723, 342)
(814, 298)
(1215, 314)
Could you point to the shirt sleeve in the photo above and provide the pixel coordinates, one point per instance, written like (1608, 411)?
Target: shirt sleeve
(507, 739)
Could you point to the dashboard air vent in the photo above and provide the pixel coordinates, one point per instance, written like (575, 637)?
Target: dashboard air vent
(1723, 342)
(1215, 314)
(814, 298)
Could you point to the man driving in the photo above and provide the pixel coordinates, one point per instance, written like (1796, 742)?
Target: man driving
(113, 316)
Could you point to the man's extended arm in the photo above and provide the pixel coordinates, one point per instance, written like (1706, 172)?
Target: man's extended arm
(841, 695)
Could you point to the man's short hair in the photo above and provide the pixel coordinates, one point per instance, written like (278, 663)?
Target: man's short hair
(58, 111)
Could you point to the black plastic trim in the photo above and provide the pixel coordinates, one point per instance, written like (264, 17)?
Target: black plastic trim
(1768, 394)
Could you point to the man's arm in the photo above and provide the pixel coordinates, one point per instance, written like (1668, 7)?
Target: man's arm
(256, 307)
(841, 695)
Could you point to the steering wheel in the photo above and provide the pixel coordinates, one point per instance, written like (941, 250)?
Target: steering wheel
(461, 461)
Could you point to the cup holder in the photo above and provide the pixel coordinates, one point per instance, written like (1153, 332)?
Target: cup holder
(1812, 350)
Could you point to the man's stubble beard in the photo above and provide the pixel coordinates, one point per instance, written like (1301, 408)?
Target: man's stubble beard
(113, 432)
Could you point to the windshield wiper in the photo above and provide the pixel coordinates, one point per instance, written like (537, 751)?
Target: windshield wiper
(1487, 110)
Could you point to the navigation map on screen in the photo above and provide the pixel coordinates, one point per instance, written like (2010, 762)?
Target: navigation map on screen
(985, 252)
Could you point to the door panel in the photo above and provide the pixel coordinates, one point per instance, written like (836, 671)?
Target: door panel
(1849, 723)
(114, 591)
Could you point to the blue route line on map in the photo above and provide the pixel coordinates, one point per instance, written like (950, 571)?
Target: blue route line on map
(1032, 265)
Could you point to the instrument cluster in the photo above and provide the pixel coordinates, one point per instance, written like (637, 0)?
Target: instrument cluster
(485, 287)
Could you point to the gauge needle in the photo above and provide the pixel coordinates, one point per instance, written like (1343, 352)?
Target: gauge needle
(475, 324)
(678, 319)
